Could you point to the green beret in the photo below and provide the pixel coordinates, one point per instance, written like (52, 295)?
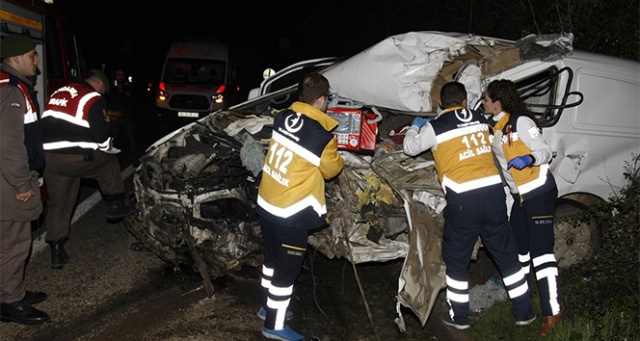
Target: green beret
(15, 45)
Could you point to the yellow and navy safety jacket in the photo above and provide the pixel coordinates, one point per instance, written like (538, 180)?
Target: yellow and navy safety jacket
(463, 156)
(74, 120)
(302, 154)
(529, 180)
(32, 130)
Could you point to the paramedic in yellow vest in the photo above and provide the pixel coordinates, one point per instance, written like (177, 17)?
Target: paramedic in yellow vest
(302, 154)
(476, 202)
(524, 156)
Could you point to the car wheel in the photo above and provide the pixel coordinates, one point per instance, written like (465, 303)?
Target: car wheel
(576, 239)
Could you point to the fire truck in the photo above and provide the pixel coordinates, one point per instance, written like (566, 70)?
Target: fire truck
(56, 44)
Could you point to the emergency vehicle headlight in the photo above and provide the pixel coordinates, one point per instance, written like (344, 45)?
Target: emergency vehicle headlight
(218, 98)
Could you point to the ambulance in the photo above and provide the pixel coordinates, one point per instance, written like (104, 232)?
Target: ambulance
(196, 80)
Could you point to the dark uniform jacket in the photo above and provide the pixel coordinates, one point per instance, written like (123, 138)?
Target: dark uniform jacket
(74, 120)
(32, 129)
(20, 151)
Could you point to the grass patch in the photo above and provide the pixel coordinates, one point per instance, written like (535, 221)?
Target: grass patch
(601, 298)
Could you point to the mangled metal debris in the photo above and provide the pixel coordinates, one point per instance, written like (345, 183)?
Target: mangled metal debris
(196, 188)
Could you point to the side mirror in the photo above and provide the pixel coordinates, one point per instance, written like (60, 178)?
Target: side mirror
(268, 73)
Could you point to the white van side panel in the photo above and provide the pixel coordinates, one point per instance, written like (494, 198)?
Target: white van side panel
(611, 103)
(594, 140)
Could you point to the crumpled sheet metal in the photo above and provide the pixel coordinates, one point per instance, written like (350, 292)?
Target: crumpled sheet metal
(422, 276)
(400, 71)
(410, 60)
(346, 236)
(423, 272)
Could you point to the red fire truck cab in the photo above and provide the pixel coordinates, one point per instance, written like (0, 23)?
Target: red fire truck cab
(56, 43)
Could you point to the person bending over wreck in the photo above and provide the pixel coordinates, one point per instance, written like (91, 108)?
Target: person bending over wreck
(476, 202)
(77, 145)
(291, 198)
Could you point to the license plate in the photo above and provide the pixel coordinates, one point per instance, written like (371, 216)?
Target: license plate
(188, 114)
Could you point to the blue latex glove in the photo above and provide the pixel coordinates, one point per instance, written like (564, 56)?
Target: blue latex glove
(420, 121)
(520, 162)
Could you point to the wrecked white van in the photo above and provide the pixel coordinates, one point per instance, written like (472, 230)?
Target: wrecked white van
(195, 189)
(587, 104)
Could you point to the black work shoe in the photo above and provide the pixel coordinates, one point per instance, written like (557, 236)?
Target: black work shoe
(22, 312)
(118, 210)
(34, 297)
(59, 256)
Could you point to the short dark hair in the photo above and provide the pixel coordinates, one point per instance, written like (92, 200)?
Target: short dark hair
(312, 86)
(452, 94)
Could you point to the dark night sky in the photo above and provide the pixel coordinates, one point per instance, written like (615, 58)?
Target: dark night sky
(261, 34)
